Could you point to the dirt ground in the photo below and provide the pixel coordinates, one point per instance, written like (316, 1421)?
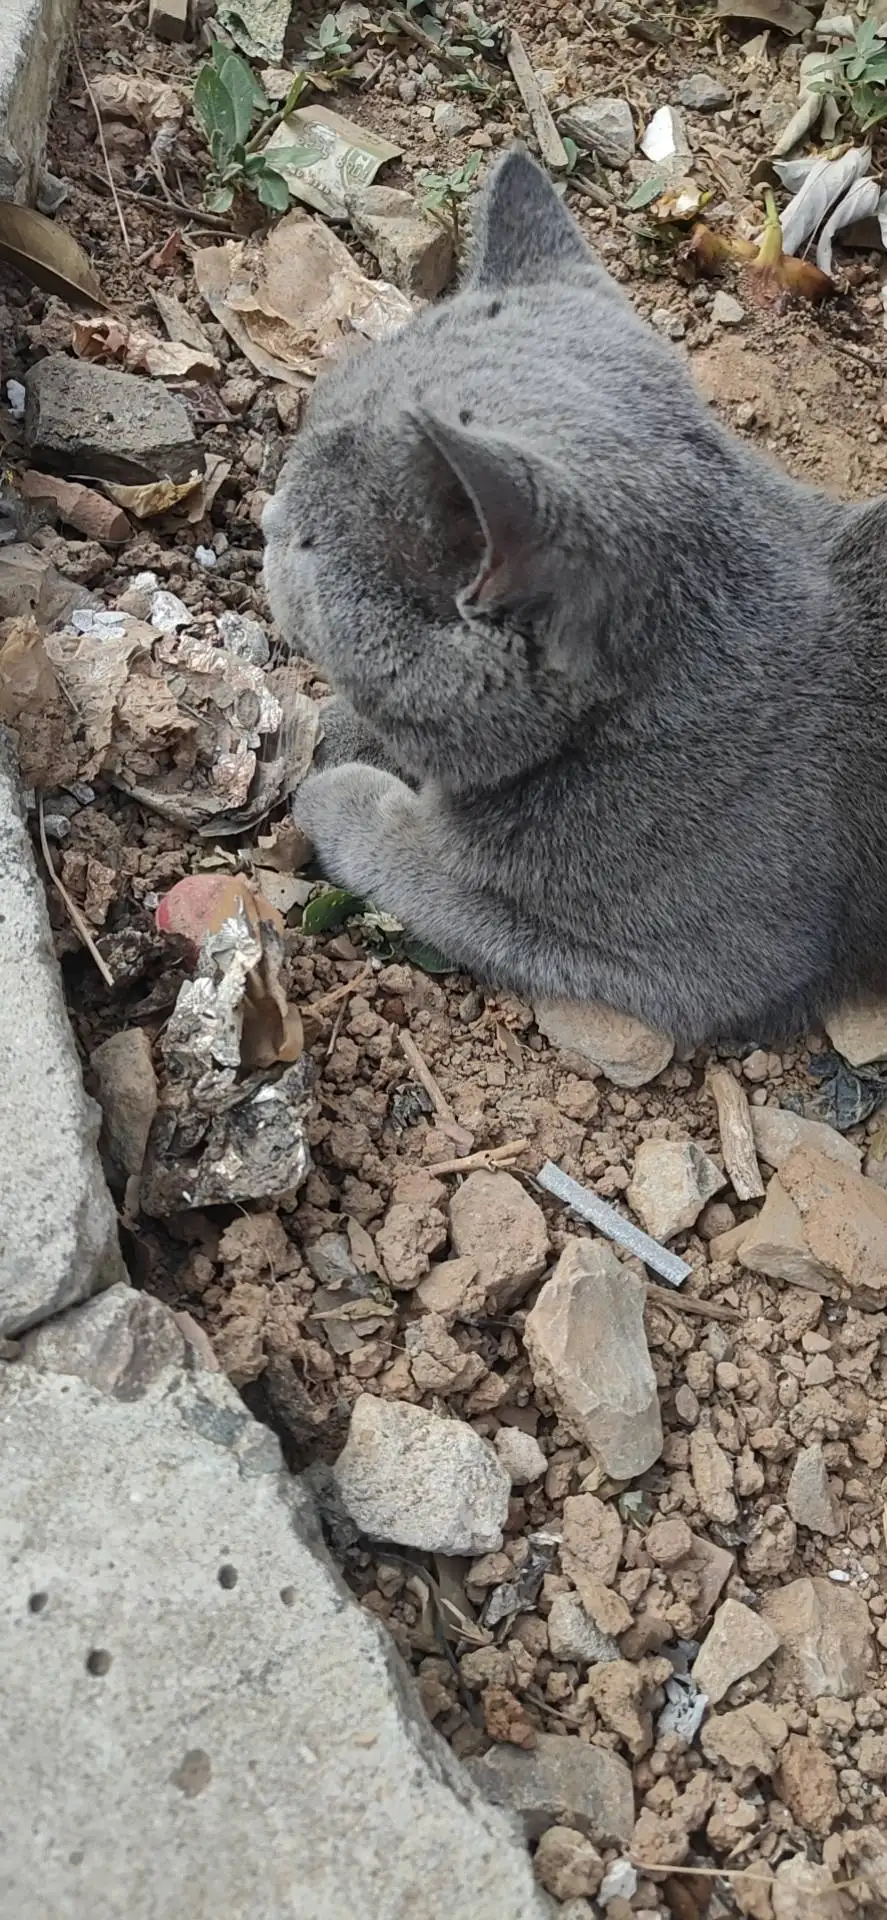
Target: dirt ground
(779, 1368)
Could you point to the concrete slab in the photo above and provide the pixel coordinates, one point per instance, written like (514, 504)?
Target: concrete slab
(33, 41)
(198, 1718)
(58, 1230)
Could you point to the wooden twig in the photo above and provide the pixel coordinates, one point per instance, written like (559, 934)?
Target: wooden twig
(706, 1309)
(737, 1139)
(551, 146)
(426, 1079)
(341, 992)
(486, 1158)
(101, 133)
(71, 905)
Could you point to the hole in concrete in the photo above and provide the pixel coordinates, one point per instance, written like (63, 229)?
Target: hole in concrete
(194, 1774)
(98, 1661)
(227, 1575)
(37, 1602)
(288, 1596)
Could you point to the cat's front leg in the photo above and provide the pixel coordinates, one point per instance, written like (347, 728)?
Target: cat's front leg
(347, 738)
(376, 837)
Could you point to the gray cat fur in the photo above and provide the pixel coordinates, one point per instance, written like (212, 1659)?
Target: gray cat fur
(633, 676)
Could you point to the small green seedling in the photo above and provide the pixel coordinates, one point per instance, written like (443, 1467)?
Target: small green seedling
(443, 193)
(327, 45)
(227, 98)
(856, 73)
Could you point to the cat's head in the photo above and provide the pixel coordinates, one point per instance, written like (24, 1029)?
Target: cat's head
(511, 457)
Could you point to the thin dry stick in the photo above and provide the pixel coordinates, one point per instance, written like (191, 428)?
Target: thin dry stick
(737, 1138)
(73, 909)
(424, 1074)
(740, 1873)
(341, 992)
(336, 1029)
(706, 1309)
(487, 1158)
(101, 133)
(551, 146)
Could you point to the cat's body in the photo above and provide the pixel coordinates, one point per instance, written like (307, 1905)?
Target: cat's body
(646, 751)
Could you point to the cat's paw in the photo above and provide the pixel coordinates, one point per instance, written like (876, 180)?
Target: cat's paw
(341, 810)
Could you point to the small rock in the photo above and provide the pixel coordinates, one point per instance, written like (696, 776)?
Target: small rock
(702, 93)
(414, 1228)
(126, 1086)
(437, 1362)
(621, 1691)
(756, 1066)
(808, 1784)
(844, 1222)
(777, 1131)
(239, 393)
(738, 1643)
(592, 1539)
(85, 419)
(801, 1889)
(604, 126)
(567, 1864)
(413, 249)
(712, 1477)
(573, 1635)
(588, 1353)
(562, 1779)
(452, 120)
(169, 19)
(808, 1498)
(521, 1455)
(623, 1049)
(826, 1638)
(494, 1222)
(860, 1032)
(747, 1741)
(727, 311)
(671, 1183)
(774, 1244)
(669, 1541)
(620, 1882)
(454, 1289)
(418, 1479)
(664, 138)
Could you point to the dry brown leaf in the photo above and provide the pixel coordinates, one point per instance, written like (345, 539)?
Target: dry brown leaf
(291, 298)
(48, 255)
(156, 497)
(149, 103)
(33, 705)
(788, 15)
(95, 669)
(113, 341)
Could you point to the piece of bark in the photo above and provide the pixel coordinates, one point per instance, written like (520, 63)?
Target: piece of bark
(551, 146)
(77, 506)
(737, 1139)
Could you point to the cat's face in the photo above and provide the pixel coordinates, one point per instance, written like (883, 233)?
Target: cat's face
(499, 459)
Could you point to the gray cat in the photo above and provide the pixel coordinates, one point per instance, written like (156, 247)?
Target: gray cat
(631, 677)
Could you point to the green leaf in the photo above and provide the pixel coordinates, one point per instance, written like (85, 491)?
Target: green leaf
(219, 199)
(214, 107)
(273, 191)
(429, 958)
(237, 80)
(329, 909)
(571, 150)
(648, 191)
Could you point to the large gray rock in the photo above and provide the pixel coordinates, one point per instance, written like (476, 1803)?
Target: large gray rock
(422, 1480)
(202, 1721)
(58, 1230)
(412, 248)
(33, 40)
(97, 422)
(566, 1780)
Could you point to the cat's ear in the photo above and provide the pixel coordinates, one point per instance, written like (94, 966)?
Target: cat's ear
(523, 232)
(514, 494)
